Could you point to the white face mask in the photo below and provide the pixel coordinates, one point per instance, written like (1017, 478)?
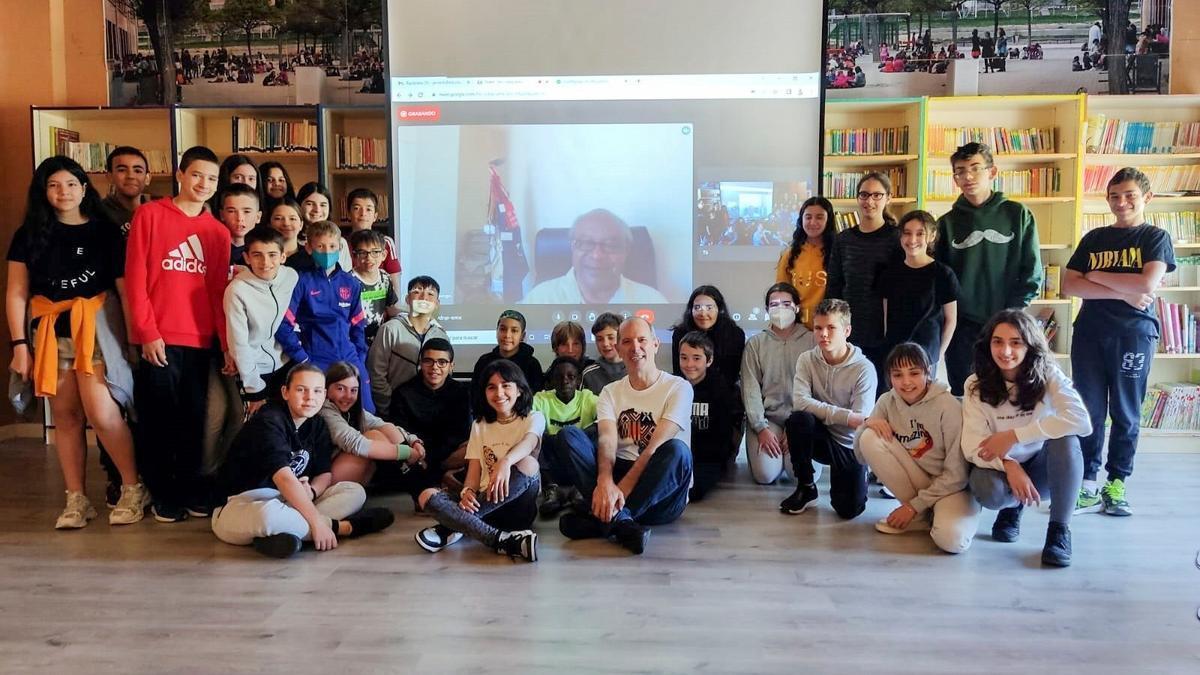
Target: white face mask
(782, 317)
(423, 307)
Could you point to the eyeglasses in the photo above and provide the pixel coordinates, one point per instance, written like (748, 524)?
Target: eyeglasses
(781, 303)
(973, 170)
(606, 247)
(372, 253)
(440, 363)
(704, 308)
(872, 196)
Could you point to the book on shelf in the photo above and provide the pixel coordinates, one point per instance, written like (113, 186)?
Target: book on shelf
(1051, 282)
(945, 140)
(93, 157)
(1183, 226)
(1046, 319)
(1037, 182)
(883, 141)
(1177, 179)
(1117, 136)
(1172, 405)
(60, 140)
(1177, 327)
(845, 220)
(254, 135)
(354, 152)
(844, 184)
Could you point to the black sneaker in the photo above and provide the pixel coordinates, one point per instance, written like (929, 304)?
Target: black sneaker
(278, 545)
(551, 501)
(575, 525)
(112, 494)
(1057, 551)
(631, 536)
(1007, 527)
(166, 513)
(800, 500)
(520, 544)
(200, 511)
(370, 521)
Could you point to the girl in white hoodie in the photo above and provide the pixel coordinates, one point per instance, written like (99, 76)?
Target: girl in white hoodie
(912, 443)
(1022, 420)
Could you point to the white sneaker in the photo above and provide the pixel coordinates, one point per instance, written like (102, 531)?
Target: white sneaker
(131, 507)
(431, 540)
(917, 524)
(77, 512)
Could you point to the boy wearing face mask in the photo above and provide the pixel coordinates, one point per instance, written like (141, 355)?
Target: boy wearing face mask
(768, 369)
(325, 322)
(395, 353)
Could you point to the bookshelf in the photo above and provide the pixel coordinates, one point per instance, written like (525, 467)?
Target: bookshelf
(845, 156)
(348, 165)
(213, 127)
(146, 128)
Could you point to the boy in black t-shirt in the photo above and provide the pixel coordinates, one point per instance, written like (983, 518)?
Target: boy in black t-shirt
(713, 411)
(1115, 270)
(278, 481)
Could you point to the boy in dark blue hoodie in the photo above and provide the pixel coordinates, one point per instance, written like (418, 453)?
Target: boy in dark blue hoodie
(325, 322)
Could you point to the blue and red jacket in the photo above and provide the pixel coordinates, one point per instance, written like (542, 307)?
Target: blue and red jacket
(325, 323)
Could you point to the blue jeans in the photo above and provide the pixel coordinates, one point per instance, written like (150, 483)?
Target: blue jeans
(661, 492)
(1111, 373)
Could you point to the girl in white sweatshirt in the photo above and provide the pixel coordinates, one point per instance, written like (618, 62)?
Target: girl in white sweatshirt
(1022, 420)
(912, 443)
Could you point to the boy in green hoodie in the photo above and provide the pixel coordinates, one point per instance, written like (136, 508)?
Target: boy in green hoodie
(991, 243)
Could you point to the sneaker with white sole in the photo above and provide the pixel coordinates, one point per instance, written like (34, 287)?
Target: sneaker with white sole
(1113, 497)
(131, 506)
(1088, 501)
(77, 512)
(917, 524)
(434, 539)
(520, 544)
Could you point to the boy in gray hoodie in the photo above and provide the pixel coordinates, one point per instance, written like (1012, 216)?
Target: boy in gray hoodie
(912, 442)
(833, 389)
(254, 305)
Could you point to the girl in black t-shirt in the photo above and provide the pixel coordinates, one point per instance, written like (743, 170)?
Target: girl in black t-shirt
(65, 260)
(920, 294)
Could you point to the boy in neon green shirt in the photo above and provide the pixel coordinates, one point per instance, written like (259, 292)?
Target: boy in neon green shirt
(564, 404)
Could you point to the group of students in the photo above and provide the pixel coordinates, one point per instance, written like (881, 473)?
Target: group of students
(275, 379)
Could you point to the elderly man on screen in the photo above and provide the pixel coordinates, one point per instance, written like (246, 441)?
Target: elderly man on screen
(600, 242)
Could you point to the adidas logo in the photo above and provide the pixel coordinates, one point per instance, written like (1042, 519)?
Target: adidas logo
(187, 257)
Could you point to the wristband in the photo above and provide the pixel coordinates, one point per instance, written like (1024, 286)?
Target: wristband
(403, 452)
(18, 342)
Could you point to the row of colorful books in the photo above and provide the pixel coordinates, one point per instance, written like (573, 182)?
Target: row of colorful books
(1175, 179)
(360, 153)
(1177, 326)
(884, 141)
(945, 140)
(1183, 226)
(1172, 405)
(1038, 182)
(93, 157)
(844, 184)
(254, 135)
(1122, 136)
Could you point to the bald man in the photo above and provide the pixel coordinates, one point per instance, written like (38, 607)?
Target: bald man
(639, 471)
(600, 243)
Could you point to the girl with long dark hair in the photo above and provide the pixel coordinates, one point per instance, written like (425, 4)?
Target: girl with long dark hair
(805, 263)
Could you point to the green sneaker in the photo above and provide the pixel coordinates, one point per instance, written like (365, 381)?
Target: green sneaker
(1113, 495)
(1088, 501)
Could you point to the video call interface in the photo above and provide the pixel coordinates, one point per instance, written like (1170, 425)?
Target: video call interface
(618, 185)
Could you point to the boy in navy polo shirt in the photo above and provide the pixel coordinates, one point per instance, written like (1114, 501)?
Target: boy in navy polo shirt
(325, 322)
(1115, 270)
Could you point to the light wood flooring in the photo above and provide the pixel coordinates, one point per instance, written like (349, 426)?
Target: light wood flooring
(733, 587)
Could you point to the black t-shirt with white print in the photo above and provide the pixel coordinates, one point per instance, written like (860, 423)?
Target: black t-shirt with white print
(269, 442)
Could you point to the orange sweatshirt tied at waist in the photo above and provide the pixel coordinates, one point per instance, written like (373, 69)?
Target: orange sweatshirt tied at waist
(83, 334)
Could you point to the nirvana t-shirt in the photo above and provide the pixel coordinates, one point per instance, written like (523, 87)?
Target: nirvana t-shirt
(915, 297)
(376, 298)
(80, 261)
(269, 442)
(1121, 250)
(637, 413)
(491, 441)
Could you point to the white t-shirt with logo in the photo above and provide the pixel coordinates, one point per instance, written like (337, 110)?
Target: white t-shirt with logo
(490, 441)
(636, 413)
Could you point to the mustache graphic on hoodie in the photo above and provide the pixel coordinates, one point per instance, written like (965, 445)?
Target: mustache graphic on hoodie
(978, 236)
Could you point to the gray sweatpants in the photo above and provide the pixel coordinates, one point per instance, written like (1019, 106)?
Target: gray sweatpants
(1057, 469)
(263, 512)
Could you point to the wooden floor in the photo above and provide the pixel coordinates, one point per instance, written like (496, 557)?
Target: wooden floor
(733, 587)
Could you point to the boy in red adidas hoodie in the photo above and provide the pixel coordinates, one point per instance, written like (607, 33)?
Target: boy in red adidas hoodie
(176, 266)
